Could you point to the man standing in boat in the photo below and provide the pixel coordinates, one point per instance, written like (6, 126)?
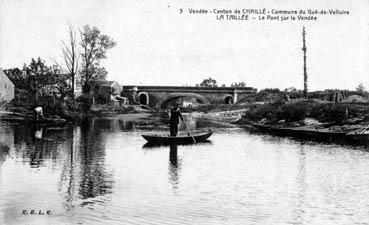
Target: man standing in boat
(175, 114)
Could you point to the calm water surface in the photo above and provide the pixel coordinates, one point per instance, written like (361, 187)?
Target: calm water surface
(101, 173)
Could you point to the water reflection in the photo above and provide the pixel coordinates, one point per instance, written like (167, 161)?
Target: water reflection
(69, 170)
(84, 175)
(79, 150)
(175, 161)
(174, 166)
(95, 180)
(84, 172)
(6, 141)
(301, 185)
(4, 152)
(36, 154)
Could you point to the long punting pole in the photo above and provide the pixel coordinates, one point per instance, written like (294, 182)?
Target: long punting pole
(305, 73)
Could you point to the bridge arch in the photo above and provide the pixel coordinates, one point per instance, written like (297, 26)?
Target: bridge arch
(228, 99)
(164, 103)
(143, 98)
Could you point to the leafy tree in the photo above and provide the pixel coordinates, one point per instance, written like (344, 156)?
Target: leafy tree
(61, 85)
(271, 90)
(360, 88)
(94, 46)
(208, 83)
(239, 84)
(37, 78)
(17, 76)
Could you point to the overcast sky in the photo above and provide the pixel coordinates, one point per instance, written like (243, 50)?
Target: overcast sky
(156, 45)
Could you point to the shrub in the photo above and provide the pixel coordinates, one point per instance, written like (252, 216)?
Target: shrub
(292, 112)
(85, 101)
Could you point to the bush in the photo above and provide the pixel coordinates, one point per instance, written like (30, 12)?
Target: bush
(259, 112)
(84, 102)
(292, 112)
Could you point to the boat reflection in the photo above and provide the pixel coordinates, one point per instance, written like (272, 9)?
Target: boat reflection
(175, 162)
(156, 145)
(174, 166)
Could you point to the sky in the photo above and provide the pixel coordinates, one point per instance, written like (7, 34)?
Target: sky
(158, 45)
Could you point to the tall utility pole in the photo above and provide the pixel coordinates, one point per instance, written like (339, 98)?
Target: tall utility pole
(305, 74)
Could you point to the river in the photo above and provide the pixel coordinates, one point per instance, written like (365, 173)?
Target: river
(101, 173)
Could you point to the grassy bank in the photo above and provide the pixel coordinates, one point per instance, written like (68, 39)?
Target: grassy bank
(62, 115)
(218, 112)
(289, 112)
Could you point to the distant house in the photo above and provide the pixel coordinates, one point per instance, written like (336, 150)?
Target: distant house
(109, 92)
(6, 88)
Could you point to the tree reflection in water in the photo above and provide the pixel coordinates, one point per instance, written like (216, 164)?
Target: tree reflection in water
(69, 170)
(84, 175)
(80, 150)
(6, 141)
(4, 152)
(95, 180)
(301, 185)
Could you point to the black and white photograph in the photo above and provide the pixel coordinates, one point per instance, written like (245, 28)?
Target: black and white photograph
(167, 112)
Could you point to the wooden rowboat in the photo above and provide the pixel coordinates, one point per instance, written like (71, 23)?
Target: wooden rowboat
(168, 140)
(320, 133)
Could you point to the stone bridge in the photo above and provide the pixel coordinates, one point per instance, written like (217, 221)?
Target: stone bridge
(161, 96)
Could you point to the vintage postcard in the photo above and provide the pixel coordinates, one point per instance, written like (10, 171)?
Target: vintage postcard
(184, 112)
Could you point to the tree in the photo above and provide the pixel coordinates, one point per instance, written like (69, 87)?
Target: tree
(208, 83)
(71, 56)
(37, 76)
(239, 84)
(39, 79)
(94, 46)
(60, 84)
(290, 89)
(17, 76)
(360, 88)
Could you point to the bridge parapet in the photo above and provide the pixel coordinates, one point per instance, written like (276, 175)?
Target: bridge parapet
(159, 95)
(191, 89)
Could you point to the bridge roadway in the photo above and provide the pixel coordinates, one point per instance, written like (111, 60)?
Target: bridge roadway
(161, 96)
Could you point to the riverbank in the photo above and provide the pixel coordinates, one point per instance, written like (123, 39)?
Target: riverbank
(228, 116)
(221, 113)
(60, 117)
(297, 112)
(305, 112)
(26, 115)
(109, 110)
